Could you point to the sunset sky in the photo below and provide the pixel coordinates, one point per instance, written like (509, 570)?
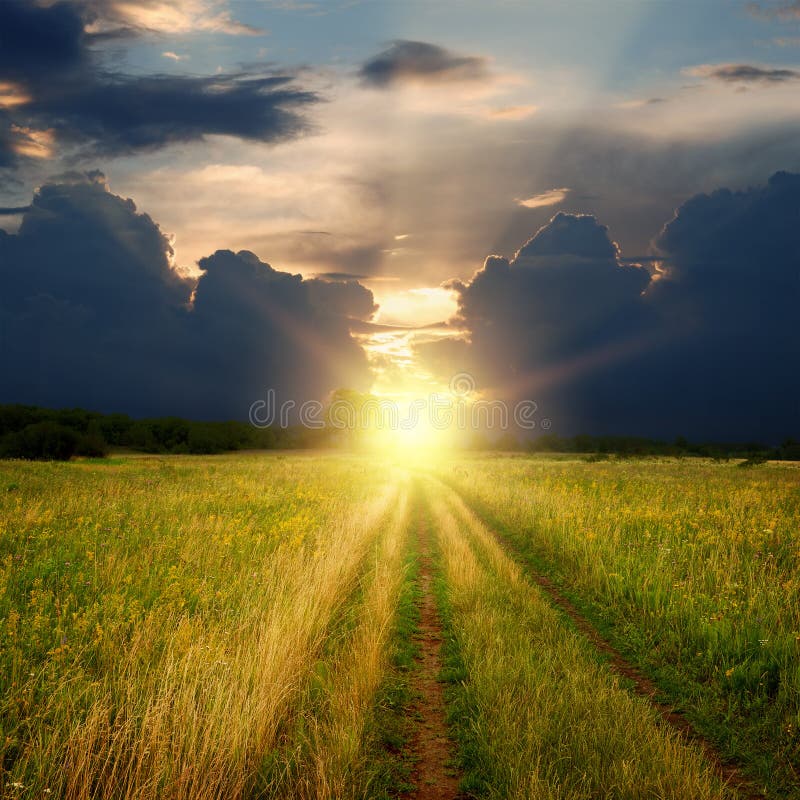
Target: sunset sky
(388, 148)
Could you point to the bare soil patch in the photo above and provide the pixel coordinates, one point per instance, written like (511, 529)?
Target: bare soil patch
(434, 774)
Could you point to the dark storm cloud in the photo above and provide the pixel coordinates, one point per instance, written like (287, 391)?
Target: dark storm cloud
(108, 257)
(119, 114)
(732, 285)
(8, 154)
(563, 292)
(347, 298)
(408, 61)
(707, 350)
(46, 51)
(637, 181)
(92, 313)
(744, 73)
(733, 258)
(40, 43)
(571, 235)
(261, 328)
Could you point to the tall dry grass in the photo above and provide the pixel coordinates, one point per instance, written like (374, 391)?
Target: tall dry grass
(186, 680)
(340, 738)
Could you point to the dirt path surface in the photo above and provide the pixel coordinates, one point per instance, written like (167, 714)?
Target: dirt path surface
(434, 775)
(642, 685)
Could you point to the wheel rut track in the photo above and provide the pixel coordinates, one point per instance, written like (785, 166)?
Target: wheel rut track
(730, 773)
(433, 774)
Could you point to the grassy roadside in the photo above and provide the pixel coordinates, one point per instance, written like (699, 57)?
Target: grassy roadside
(333, 749)
(154, 644)
(534, 712)
(680, 590)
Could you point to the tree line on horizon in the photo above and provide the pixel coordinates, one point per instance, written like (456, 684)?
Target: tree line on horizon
(31, 432)
(59, 434)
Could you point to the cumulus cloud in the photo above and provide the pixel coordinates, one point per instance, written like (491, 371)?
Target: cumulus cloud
(576, 235)
(46, 55)
(344, 296)
(79, 212)
(564, 290)
(406, 61)
(262, 329)
(706, 348)
(736, 246)
(93, 312)
(743, 73)
(732, 285)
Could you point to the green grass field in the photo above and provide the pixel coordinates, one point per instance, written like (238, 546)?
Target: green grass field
(246, 626)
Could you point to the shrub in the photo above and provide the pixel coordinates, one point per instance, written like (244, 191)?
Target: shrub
(42, 441)
(753, 461)
(91, 445)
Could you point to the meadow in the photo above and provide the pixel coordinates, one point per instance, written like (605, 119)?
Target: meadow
(247, 626)
(691, 568)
